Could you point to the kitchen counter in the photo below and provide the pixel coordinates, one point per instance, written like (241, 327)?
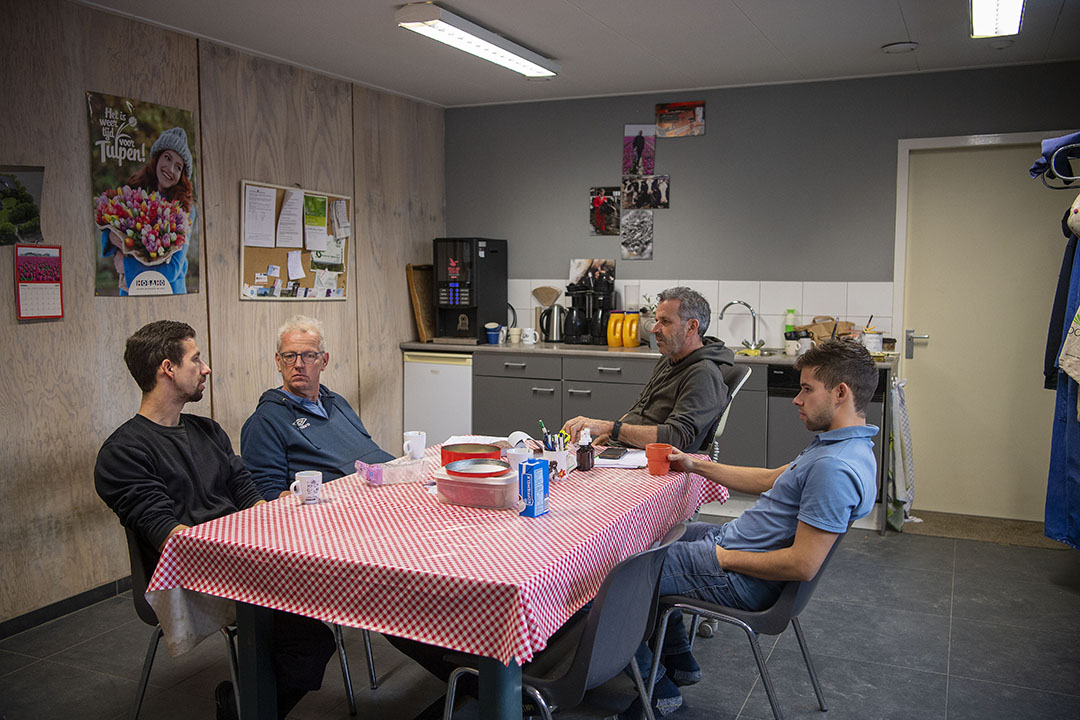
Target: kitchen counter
(567, 350)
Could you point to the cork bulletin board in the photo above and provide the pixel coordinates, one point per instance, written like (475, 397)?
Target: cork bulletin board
(294, 243)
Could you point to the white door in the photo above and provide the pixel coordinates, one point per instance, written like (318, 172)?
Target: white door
(983, 250)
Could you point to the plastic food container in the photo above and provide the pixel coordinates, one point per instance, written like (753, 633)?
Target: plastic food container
(466, 451)
(395, 472)
(484, 492)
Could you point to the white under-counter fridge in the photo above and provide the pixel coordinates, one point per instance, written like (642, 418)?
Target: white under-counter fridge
(438, 394)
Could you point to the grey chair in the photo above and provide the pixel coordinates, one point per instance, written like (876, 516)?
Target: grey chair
(772, 621)
(734, 377)
(142, 568)
(592, 650)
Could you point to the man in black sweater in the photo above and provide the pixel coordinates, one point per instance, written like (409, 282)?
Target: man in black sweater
(164, 471)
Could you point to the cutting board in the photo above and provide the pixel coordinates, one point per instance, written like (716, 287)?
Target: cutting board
(421, 280)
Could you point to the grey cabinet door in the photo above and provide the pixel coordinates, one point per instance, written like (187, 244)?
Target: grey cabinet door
(743, 441)
(502, 405)
(603, 401)
(787, 435)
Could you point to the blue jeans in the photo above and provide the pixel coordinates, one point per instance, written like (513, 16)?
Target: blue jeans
(690, 569)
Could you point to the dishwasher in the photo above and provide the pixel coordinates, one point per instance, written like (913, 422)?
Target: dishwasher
(786, 436)
(438, 394)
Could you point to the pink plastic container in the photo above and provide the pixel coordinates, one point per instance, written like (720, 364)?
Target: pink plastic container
(489, 492)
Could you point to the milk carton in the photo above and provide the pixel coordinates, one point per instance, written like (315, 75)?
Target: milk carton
(533, 486)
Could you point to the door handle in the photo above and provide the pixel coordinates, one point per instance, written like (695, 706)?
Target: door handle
(543, 390)
(574, 391)
(513, 365)
(909, 342)
(601, 368)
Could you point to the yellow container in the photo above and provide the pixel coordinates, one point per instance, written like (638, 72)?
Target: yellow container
(630, 336)
(615, 329)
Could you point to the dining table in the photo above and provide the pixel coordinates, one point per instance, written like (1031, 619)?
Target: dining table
(396, 560)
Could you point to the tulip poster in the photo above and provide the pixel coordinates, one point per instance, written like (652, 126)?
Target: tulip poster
(144, 197)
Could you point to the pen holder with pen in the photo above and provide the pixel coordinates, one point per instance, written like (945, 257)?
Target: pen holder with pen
(561, 463)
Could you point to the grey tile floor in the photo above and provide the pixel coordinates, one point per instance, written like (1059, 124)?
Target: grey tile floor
(904, 626)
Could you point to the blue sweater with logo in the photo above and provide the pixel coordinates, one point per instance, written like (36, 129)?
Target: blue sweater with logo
(282, 437)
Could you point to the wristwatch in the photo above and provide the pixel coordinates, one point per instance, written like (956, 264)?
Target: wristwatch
(615, 427)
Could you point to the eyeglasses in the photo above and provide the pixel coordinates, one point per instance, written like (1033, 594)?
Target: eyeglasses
(289, 358)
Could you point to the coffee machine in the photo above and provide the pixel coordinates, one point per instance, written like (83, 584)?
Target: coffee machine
(470, 288)
(591, 301)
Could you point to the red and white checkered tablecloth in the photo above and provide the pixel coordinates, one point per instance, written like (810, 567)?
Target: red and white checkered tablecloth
(395, 560)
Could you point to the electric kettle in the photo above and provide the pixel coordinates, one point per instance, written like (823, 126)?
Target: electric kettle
(551, 323)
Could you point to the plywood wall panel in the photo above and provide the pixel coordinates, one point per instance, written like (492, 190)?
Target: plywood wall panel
(278, 124)
(399, 210)
(66, 384)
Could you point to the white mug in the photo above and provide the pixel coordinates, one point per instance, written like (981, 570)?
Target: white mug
(516, 455)
(502, 335)
(307, 486)
(415, 442)
(791, 347)
(804, 344)
(529, 336)
(515, 335)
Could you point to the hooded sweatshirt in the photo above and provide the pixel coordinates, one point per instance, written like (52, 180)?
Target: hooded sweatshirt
(282, 437)
(684, 399)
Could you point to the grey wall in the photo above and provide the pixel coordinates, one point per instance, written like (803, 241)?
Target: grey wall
(791, 182)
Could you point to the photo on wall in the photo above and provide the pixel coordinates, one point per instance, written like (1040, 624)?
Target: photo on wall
(639, 149)
(604, 210)
(20, 204)
(681, 119)
(646, 192)
(144, 190)
(637, 235)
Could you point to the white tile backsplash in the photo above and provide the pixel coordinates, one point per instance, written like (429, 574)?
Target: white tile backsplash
(519, 294)
(746, 290)
(770, 328)
(629, 294)
(708, 288)
(853, 301)
(734, 328)
(652, 288)
(777, 297)
(824, 298)
(869, 298)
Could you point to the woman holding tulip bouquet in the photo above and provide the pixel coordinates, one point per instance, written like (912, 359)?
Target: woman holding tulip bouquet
(149, 219)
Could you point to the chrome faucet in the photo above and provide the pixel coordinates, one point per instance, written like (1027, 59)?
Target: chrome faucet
(753, 344)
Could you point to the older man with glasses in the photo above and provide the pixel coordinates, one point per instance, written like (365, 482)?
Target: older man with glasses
(303, 425)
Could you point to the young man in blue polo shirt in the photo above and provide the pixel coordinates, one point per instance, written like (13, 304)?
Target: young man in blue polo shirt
(803, 508)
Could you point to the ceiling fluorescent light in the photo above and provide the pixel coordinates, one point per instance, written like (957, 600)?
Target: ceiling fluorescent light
(438, 24)
(993, 18)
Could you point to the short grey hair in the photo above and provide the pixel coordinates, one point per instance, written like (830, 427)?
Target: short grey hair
(302, 323)
(691, 305)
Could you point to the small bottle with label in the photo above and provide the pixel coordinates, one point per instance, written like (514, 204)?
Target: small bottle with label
(585, 451)
(789, 323)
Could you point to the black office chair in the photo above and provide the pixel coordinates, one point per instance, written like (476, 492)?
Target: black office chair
(142, 569)
(595, 649)
(773, 621)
